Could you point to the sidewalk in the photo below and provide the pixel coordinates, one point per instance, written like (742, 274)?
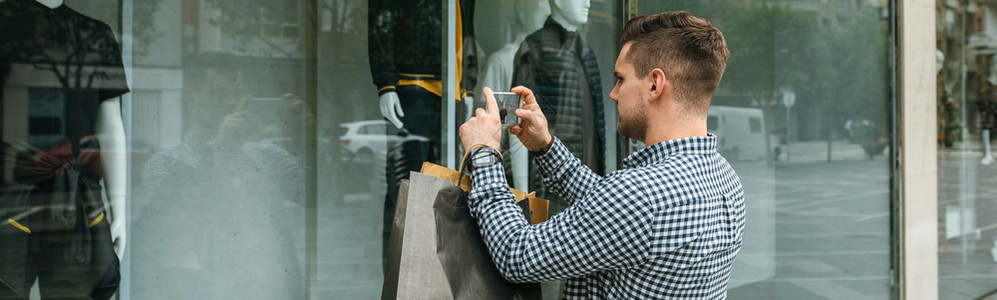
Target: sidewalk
(816, 151)
(971, 148)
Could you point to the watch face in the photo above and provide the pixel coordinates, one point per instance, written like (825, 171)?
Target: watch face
(484, 158)
(483, 161)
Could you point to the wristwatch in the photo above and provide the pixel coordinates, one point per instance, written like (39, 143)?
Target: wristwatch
(484, 157)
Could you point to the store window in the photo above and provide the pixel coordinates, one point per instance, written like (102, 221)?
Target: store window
(261, 144)
(802, 114)
(967, 253)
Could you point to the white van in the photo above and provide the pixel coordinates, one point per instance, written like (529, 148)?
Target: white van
(740, 131)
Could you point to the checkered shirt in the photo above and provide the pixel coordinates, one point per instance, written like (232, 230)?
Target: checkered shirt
(667, 226)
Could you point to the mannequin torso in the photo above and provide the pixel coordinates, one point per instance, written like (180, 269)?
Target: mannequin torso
(110, 132)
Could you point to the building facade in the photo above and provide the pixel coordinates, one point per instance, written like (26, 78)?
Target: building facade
(266, 140)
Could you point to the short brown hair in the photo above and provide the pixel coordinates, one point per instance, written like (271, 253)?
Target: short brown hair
(691, 52)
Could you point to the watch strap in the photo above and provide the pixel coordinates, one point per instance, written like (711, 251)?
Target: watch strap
(543, 150)
(471, 151)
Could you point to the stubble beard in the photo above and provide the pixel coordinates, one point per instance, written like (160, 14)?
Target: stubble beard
(634, 123)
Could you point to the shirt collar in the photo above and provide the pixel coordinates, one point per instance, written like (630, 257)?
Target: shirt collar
(697, 145)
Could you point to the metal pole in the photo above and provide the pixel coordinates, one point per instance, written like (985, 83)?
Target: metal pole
(963, 133)
(789, 137)
(987, 157)
(449, 96)
(311, 149)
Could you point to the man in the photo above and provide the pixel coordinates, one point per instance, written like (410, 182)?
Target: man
(669, 224)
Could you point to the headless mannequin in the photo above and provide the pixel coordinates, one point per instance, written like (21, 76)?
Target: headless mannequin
(529, 16)
(111, 134)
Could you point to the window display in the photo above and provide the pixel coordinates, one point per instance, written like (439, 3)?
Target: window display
(61, 74)
(254, 149)
(555, 62)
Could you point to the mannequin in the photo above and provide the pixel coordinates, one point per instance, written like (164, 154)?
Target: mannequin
(390, 103)
(61, 75)
(556, 63)
(571, 14)
(111, 132)
(529, 15)
(406, 55)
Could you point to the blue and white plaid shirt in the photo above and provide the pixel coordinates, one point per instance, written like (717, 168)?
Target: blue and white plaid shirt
(667, 226)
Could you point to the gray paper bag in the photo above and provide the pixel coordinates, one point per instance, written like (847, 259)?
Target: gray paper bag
(413, 270)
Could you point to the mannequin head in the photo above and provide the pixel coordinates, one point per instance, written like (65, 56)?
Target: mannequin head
(570, 13)
(51, 3)
(531, 14)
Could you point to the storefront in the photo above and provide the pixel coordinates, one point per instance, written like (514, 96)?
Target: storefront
(265, 140)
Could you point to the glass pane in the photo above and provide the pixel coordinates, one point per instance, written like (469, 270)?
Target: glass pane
(967, 242)
(220, 131)
(566, 56)
(521, 42)
(372, 54)
(801, 113)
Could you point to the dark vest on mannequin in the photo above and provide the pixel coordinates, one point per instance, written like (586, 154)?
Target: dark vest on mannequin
(564, 74)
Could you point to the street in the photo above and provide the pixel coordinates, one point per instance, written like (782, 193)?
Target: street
(815, 230)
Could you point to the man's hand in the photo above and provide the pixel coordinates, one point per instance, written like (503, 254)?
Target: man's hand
(485, 127)
(532, 129)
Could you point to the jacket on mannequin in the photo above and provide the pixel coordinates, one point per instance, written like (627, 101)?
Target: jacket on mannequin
(63, 144)
(561, 69)
(405, 51)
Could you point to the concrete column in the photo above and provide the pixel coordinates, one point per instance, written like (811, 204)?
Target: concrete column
(917, 161)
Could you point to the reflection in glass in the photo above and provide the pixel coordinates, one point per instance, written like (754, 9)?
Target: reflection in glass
(61, 74)
(234, 188)
(219, 164)
(801, 115)
(966, 109)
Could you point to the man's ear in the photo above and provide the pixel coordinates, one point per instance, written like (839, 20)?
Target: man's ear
(660, 85)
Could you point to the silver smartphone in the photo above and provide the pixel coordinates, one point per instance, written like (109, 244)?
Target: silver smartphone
(507, 105)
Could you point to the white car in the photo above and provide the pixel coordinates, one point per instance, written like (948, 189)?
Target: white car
(372, 138)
